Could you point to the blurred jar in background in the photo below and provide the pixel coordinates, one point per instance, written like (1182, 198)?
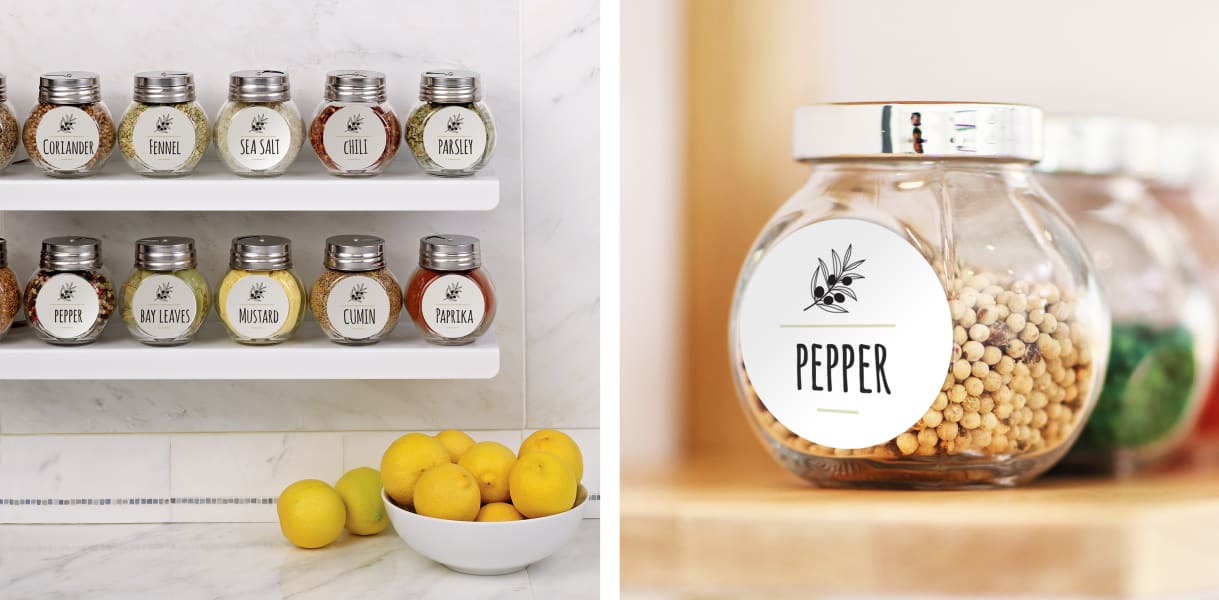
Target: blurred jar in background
(1163, 342)
(920, 313)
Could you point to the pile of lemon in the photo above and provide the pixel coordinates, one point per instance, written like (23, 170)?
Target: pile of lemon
(450, 476)
(446, 476)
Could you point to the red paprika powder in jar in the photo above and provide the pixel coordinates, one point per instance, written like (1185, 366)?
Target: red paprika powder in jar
(450, 297)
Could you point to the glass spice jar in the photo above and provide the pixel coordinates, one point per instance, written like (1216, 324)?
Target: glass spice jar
(69, 133)
(10, 292)
(450, 131)
(355, 132)
(69, 299)
(259, 131)
(10, 130)
(166, 299)
(984, 370)
(165, 130)
(1163, 349)
(261, 300)
(356, 299)
(450, 296)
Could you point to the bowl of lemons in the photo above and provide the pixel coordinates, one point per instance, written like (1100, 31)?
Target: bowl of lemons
(480, 508)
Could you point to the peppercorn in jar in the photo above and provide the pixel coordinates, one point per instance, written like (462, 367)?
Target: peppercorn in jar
(69, 299)
(920, 313)
(1163, 339)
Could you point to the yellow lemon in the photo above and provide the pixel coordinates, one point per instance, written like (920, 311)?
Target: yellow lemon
(360, 490)
(405, 460)
(311, 513)
(447, 491)
(490, 463)
(542, 485)
(456, 442)
(559, 444)
(499, 511)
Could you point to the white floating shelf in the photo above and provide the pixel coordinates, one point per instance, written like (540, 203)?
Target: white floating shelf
(305, 187)
(212, 355)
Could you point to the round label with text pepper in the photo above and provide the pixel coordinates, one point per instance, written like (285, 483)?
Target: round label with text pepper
(845, 332)
(257, 307)
(453, 306)
(455, 137)
(164, 307)
(67, 137)
(67, 306)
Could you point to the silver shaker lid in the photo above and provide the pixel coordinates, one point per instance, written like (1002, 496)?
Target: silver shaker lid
(450, 87)
(259, 86)
(442, 252)
(355, 253)
(261, 253)
(168, 253)
(70, 253)
(355, 85)
(69, 87)
(164, 87)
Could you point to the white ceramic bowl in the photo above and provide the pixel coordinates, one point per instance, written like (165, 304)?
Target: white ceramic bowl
(487, 548)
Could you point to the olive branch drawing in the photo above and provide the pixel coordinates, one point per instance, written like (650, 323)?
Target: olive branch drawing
(259, 124)
(163, 292)
(358, 292)
(258, 292)
(164, 122)
(831, 288)
(453, 291)
(454, 124)
(354, 123)
(67, 291)
(67, 123)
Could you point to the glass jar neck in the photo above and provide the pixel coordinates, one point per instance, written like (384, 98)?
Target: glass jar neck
(896, 164)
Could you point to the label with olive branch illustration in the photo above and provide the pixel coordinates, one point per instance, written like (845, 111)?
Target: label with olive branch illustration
(453, 306)
(259, 137)
(164, 307)
(163, 138)
(67, 137)
(844, 331)
(455, 137)
(67, 306)
(357, 307)
(355, 137)
(257, 306)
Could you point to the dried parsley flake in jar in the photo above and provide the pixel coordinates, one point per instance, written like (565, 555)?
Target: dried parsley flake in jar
(450, 131)
(355, 132)
(69, 299)
(166, 299)
(259, 131)
(165, 131)
(69, 133)
(10, 130)
(357, 299)
(261, 300)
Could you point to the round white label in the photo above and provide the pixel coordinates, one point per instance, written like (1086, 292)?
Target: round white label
(258, 138)
(455, 137)
(453, 306)
(257, 307)
(355, 137)
(164, 307)
(67, 306)
(164, 138)
(67, 137)
(358, 307)
(845, 333)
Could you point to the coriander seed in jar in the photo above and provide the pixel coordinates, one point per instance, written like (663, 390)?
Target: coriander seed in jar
(920, 314)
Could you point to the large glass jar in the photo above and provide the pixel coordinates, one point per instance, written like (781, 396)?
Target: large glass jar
(69, 299)
(356, 299)
(10, 130)
(166, 299)
(920, 313)
(355, 131)
(261, 300)
(70, 132)
(450, 131)
(1163, 342)
(259, 131)
(450, 296)
(10, 292)
(165, 131)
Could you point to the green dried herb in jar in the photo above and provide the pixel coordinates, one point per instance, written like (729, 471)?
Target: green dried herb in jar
(165, 131)
(166, 299)
(450, 131)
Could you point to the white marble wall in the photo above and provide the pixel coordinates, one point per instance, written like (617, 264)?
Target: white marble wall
(539, 66)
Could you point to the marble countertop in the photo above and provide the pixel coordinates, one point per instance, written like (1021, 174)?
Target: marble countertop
(253, 560)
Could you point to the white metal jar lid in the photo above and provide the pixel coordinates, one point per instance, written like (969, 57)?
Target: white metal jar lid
(917, 129)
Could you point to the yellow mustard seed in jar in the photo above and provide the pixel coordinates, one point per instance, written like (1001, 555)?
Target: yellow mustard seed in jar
(261, 300)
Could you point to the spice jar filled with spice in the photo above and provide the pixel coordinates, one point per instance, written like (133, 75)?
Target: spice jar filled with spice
(450, 131)
(261, 300)
(69, 299)
(165, 131)
(355, 132)
(259, 130)
(356, 299)
(166, 299)
(69, 133)
(1163, 342)
(984, 370)
(450, 297)
(10, 130)
(10, 292)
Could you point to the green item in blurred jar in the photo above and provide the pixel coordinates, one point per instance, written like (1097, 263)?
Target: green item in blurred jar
(166, 299)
